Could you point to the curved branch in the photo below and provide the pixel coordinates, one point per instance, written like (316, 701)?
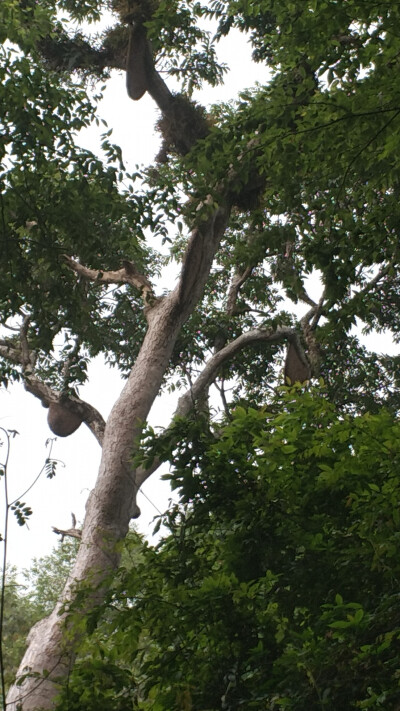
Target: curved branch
(237, 282)
(308, 325)
(374, 281)
(255, 336)
(207, 376)
(128, 274)
(199, 254)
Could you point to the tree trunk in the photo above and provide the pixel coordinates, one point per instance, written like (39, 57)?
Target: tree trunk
(112, 503)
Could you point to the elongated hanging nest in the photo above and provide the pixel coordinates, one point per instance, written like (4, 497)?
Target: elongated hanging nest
(297, 369)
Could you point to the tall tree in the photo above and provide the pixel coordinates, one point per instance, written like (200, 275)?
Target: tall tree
(298, 177)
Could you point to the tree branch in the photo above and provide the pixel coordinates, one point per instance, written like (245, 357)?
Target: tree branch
(199, 254)
(10, 352)
(207, 376)
(237, 282)
(374, 281)
(128, 274)
(72, 532)
(25, 358)
(255, 336)
(87, 413)
(64, 53)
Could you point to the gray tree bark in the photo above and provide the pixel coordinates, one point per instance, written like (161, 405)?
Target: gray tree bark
(112, 503)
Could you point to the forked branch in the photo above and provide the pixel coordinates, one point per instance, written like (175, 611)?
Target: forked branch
(209, 373)
(128, 274)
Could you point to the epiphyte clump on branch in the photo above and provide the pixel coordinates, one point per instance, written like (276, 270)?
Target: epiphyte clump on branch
(181, 126)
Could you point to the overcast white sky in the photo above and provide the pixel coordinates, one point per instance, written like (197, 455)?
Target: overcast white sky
(53, 500)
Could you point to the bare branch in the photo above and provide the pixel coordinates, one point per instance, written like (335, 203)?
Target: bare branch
(10, 352)
(303, 296)
(318, 312)
(199, 255)
(72, 532)
(256, 335)
(237, 282)
(221, 391)
(128, 274)
(308, 326)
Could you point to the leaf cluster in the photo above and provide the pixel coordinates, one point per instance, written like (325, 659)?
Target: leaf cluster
(277, 585)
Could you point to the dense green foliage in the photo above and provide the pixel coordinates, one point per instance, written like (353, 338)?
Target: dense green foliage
(322, 136)
(45, 577)
(278, 584)
(19, 616)
(277, 587)
(29, 597)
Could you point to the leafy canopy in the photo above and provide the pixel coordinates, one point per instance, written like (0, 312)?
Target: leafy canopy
(312, 158)
(277, 586)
